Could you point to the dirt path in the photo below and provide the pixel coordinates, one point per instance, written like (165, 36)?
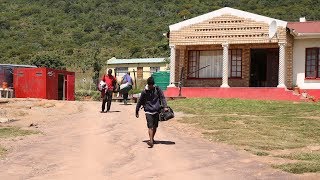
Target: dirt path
(78, 142)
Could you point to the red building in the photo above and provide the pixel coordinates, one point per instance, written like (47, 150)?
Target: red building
(44, 83)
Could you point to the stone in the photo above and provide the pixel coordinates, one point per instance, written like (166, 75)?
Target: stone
(4, 120)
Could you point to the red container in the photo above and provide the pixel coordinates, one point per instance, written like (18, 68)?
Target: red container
(44, 83)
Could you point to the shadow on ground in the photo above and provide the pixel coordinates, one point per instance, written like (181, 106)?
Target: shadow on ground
(161, 142)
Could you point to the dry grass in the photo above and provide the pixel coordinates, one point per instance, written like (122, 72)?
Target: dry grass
(10, 132)
(260, 126)
(2, 151)
(44, 104)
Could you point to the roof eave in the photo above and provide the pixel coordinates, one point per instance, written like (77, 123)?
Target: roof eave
(226, 10)
(163, 62)
(307, 35)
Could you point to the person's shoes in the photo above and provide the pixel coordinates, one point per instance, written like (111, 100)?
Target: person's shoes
(150, 144)
(125, 102)
(102, 112)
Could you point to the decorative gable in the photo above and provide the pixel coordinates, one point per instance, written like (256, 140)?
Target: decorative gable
(227, 27)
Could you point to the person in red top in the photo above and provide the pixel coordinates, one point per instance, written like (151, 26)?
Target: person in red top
(107, 95)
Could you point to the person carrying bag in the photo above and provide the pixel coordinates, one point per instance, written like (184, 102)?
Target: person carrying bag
(153, 101)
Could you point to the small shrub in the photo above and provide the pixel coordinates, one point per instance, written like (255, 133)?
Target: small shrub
(83, 94)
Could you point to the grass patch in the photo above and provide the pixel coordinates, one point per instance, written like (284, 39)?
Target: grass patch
(299, 168)
(315, 156)
(258, 153)
(9, 132)
(261, 153)
(2, 151)
(261, 126)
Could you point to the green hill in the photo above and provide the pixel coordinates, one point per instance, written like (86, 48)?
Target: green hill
(82, 32)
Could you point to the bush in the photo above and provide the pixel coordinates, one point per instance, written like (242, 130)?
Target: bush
(85, 95)
(49, 61)
(135, 91)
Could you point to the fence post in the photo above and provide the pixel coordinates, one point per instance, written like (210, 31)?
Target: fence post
(135, 80)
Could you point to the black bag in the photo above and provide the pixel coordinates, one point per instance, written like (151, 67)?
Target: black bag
(166, 115)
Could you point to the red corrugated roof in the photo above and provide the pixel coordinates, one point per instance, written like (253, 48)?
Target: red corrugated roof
(305, 27)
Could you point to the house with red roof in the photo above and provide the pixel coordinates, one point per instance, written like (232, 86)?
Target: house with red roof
(237, 54)
(306, 54)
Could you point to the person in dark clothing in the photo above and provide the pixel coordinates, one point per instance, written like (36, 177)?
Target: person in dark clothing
(107, 95)
(152, 100)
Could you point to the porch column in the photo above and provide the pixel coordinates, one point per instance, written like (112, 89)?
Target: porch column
(172, 65)
(225, 65)
(282, 57)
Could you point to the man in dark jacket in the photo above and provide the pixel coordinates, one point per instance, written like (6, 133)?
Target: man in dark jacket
(152, 100)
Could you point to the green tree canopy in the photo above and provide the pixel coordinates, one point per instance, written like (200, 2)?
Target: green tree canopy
(49, 61)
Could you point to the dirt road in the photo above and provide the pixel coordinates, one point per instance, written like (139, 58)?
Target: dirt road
(78, 142)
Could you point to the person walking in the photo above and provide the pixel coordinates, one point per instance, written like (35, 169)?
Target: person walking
(152, 100)
(127, 80)
(107, 95)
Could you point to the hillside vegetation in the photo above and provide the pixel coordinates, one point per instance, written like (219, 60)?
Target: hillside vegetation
(85, 33)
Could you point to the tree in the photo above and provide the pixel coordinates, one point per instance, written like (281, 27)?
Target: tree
(49, 61)
(96, 66)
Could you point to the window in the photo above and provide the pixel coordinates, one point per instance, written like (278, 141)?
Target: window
(193, 63)
(312, 63)
(235, 59)
(121, 71)
(211, 64)
(154, 69)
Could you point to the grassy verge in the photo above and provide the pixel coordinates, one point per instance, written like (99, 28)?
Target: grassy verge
(259, 126)
(307, 162)
(299, 167)
(9, 132)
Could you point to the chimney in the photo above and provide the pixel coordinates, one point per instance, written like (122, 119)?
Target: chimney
(303, 19)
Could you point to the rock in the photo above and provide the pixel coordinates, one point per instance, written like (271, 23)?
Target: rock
(4, 120)
(32, 124)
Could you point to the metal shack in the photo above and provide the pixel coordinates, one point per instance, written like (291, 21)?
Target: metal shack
(6, 72)
(44, 83)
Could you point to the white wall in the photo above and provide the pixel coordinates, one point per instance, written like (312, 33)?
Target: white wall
(131, 67)
(299, 60)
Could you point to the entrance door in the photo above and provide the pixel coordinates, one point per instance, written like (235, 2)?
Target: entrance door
(272, 67)
(140, 72)
(61, 87)
(264, 67)
(70, 87)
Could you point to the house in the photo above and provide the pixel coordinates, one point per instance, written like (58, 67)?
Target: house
(306, 55)
(142, 67)
(230, 48)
